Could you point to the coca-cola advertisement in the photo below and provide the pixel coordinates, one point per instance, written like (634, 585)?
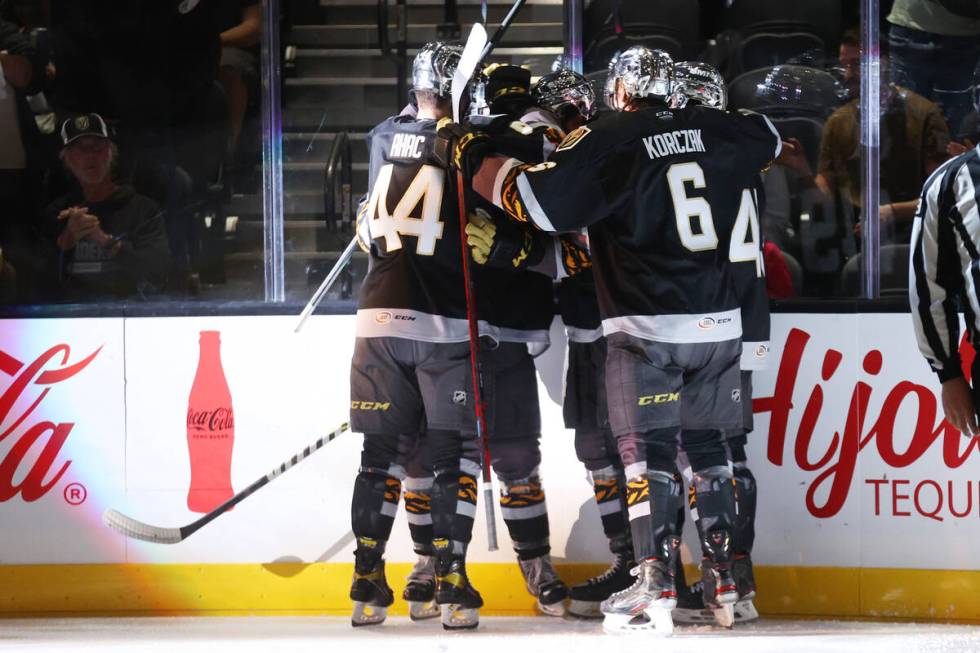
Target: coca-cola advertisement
(62, 439)
(210, 429)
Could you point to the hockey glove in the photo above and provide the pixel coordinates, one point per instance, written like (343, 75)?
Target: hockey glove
(459, 147)
(502, 244)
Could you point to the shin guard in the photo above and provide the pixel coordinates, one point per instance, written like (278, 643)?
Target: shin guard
(374, 505)
(522, 504)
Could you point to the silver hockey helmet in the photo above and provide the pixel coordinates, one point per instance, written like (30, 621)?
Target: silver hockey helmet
(700, 82)
(643, 73)
(563, 90)
(434, 66)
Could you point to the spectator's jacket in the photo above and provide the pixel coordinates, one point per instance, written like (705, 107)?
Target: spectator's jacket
(14, 42)
(87, 271)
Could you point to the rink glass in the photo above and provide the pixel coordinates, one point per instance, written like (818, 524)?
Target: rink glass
(258, 228)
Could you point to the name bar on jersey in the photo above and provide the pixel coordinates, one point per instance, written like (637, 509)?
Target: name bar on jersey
(676, 142)
(406, 146)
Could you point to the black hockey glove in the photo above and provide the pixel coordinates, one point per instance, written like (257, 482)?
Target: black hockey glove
(502, 244)
(458, 147)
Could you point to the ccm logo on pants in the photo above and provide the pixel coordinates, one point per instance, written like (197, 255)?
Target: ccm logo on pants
(370, 405)
(663, 398)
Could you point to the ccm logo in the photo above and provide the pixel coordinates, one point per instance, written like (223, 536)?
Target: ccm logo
(385, 317)
(706, 323)
(662, 398)
(370, 405)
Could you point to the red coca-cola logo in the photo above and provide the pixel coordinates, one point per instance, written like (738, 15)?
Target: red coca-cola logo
(835, 463)
(36, 378)
(218, 419)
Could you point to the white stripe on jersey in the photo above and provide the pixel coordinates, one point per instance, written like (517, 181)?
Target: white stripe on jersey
(531, 204)
(714, 327)
(426, 327)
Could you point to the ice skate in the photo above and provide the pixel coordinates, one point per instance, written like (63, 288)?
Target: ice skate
(587, 596)
(646, 605)
(420, 590)
(691, 609)
(543, 583)
(718, 592)
(458, 601)
(745, 585)
(369, 590)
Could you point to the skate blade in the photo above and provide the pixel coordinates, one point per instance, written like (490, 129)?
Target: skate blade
(745, 611)
(585, 609)
(725, 615)
(366, 614)
(654, 620)
(422, 610)
(456, 617)
(693, 616)
(556, 609)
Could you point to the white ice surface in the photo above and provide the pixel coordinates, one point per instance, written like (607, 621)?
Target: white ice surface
(495, 635)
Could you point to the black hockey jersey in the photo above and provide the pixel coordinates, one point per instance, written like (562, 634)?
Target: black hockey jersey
(660, 191)
(749, 272)
(520, 304)
(410, 220)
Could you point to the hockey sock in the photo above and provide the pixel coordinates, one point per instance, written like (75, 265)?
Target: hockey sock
(522, 504)
(745, 500)
(608, 484)
(713, 508)
(418, 507)
(653, 501)
(374, 505)
(454, 506)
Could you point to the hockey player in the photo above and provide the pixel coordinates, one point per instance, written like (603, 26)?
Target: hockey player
(699, 83)
(410, 368)
(659, 191)
(570, 97)
(516, 309)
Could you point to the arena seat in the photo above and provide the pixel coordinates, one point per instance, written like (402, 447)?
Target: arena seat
(766, 49)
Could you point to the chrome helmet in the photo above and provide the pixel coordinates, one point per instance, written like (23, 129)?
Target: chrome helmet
(565, 90)
(434, 66)
(699, 82)
(643, 73)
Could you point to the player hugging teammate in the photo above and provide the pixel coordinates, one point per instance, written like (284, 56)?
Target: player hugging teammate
(669, 197)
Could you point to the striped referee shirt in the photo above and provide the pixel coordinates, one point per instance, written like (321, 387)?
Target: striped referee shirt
(945, 262)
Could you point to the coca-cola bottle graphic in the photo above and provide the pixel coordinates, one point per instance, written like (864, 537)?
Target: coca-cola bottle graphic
(210, 429)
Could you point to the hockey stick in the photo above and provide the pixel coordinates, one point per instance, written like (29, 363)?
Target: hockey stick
(321, 292)
(468, 61)
(138, 530)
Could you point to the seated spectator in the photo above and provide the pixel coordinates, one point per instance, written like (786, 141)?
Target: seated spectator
(22, 74)
(913, 143)
(109, 241)
(238, 72)
(934, 46)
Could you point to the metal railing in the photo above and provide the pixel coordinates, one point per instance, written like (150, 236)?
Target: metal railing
(400, 55)
(338, 212)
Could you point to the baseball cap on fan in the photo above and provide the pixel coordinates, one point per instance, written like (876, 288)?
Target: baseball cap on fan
(89, 124)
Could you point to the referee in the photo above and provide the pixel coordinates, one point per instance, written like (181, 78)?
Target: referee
(945, 278)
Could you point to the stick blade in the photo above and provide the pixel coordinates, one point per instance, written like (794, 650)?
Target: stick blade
(138, 530)
(468, 61)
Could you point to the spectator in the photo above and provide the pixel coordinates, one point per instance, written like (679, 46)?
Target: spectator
(913, 143)
(21, 73)
(968, 134)
(238, 71)
(110, 241)
(935, 45)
